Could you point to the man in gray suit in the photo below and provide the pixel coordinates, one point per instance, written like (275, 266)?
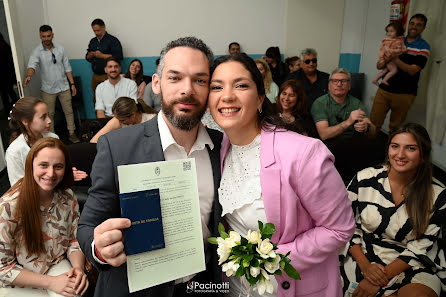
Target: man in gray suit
(182, 80)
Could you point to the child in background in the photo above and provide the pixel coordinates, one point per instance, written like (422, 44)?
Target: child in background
(391, 47)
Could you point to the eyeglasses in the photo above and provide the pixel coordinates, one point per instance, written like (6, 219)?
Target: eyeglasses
(308, 61)
(419, 25)
(342, 81)
(54, 58)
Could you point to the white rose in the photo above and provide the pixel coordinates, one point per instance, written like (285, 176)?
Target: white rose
(234, 237)
(223, 250)
(230, 268)
(253, 237)
(264, 285)
(272, 267)
(265, 249)
(254, 271)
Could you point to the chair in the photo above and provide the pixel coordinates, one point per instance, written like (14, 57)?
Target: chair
(357, 85)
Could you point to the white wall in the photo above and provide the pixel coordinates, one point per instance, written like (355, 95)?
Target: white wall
(353, 29)
(376, 20)
(26, 18)
(144, 27)
(316, 24)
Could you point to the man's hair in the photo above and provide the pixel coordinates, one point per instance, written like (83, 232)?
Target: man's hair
(233, 43)
(308, 51)
(340, 70)
(98, 22)
(45, 28)
(190, 42)
(112, 59)
(419, 16)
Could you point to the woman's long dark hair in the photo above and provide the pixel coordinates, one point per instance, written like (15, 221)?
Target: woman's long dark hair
(139, 76)
(419, 192)
(23, 109)
(300, 109)
(268, 119)
(27, 213)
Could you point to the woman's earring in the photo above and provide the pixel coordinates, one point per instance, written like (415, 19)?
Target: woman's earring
(260, 110)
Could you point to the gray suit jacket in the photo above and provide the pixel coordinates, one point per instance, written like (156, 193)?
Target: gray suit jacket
(136, 144)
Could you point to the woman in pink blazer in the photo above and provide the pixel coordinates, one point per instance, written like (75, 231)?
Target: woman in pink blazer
(274, 175)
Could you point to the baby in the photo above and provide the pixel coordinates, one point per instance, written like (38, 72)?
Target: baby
(391, 47)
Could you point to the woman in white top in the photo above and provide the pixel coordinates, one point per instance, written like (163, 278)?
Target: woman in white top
(127, 112)
(29, 121)
(271, 89)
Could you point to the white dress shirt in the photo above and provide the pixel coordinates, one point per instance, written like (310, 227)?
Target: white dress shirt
(173, 151)
(106, 94)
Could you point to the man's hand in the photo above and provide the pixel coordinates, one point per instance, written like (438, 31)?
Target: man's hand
(27, 80)
(376, 274)
(90, 55)
(98, 54)
(109, 241)
(356, 115)
(365, 289)
(362, 125)
(73, 90)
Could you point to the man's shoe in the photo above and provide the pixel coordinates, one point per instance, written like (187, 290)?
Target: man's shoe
(73, 138)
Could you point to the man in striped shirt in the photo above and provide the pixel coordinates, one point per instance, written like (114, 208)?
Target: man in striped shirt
(400, 93)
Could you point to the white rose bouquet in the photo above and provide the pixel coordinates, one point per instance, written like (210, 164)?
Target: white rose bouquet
(253, 257)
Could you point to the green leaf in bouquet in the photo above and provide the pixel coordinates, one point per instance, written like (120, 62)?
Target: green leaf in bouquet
(212, 240)
(222, 231)
(243, 241)
(255, 263)
(252, 280)
(260, 226)
(269, 229)
(278, 272)
(232, 257)
(245, 263)
(291, 272)
(248, 257)
(240, 271)
(282, 264)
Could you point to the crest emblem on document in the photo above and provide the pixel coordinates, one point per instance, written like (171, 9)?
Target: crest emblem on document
(157, 170)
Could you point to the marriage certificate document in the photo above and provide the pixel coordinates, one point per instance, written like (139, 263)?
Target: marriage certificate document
(183, 254)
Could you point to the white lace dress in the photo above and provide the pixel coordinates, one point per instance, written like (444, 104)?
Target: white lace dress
(240, 195)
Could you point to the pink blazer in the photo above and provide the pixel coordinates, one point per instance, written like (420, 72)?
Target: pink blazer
(305, 198)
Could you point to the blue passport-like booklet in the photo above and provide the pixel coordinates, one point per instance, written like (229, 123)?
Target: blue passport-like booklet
(143, 208)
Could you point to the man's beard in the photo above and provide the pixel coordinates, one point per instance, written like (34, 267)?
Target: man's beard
(185, 121)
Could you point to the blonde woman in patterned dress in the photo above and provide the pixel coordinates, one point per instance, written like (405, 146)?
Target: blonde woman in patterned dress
(399, 212)
(38, 222)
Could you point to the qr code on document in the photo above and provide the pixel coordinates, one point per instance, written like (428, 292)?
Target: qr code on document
(186, 166)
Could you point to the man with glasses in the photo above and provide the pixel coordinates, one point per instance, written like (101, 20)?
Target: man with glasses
(343, 125)
(401, 90)
(54, 68)
(315, 82)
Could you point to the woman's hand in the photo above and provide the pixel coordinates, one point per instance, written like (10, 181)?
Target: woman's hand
(141, 89)
(79, 174)
(376, 274)
(63, 285)
(81, 280)
(365, 289)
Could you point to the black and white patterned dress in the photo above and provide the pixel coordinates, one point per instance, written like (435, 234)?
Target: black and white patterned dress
(384, 233)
